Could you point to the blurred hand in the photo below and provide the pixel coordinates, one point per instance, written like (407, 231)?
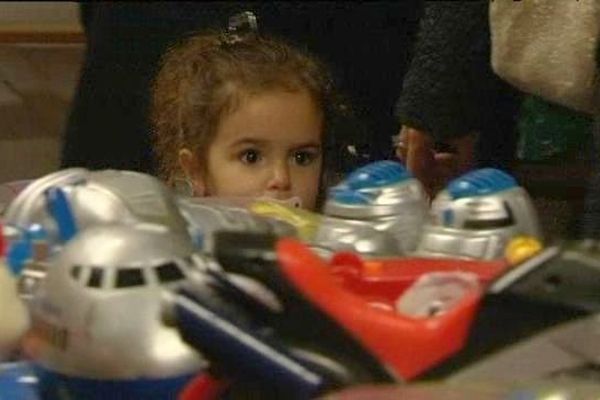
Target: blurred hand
(432, 165)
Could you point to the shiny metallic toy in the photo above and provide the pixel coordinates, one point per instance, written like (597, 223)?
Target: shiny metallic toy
(477, 215)
(96, 315)
(377, 210)
(97, 197)
(92, 198)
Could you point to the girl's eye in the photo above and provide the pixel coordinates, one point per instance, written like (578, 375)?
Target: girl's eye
(250, 156)
(303, 158)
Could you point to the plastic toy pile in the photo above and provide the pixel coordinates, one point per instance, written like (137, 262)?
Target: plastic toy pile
(112, 286)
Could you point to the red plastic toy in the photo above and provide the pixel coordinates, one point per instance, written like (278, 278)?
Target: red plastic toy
(361, 295)
(408, 345)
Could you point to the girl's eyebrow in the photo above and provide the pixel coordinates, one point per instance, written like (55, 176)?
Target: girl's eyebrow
(248, 140)
(259, 142)
(315, 145)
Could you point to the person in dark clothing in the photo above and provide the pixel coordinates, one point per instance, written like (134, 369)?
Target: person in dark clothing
(367, 46)
(456, 114)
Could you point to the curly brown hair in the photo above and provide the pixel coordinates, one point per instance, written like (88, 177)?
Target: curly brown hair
(204, 78)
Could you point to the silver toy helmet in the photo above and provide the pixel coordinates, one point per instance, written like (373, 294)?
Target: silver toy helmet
(97, 313)
(378, 208)
(97, 197)
(476, 215)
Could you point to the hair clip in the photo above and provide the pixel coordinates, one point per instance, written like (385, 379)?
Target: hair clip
(240, 26)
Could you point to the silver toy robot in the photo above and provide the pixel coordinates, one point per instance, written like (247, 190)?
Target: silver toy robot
(476, 216)
(377, 210)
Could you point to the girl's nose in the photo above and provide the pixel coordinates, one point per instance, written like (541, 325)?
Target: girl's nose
(280, 177)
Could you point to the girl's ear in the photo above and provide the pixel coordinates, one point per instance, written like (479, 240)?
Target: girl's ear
(192, 170)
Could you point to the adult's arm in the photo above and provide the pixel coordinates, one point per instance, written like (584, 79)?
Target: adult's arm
(450, 82)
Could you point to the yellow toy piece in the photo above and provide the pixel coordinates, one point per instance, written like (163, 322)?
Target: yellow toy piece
(521, 248)
(305, 222)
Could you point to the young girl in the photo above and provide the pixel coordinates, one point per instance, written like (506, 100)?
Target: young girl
(242, 117)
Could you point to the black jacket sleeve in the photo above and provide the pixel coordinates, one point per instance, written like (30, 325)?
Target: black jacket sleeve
(450, 88)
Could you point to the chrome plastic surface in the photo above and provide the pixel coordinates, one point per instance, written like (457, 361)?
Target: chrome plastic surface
(337, 234)
(98, 197)
(388, 224)
(478, 227)
(97, 314)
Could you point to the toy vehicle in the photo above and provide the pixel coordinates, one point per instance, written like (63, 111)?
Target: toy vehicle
(96, 324)
(93, 291)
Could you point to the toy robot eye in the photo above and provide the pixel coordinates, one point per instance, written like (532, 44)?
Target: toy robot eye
(498, 216)
(488, 224)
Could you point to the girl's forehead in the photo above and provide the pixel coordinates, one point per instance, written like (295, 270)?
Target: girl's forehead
(274, 116)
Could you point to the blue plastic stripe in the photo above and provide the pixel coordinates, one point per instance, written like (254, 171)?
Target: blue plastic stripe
(59, 208)
(55, 386)
(377, 174)
(346, 196)
(480, 182)
(371, 176)
(18, 253)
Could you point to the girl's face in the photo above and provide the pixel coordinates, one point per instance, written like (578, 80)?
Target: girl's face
(269, 146)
